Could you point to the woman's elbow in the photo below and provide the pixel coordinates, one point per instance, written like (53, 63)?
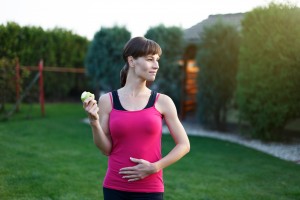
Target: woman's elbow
(104, 151)
(185, 147)
(188, 147)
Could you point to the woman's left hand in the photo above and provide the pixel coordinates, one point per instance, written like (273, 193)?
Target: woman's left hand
(138, 172)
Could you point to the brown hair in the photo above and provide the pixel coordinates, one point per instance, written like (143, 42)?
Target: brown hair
(137, 47)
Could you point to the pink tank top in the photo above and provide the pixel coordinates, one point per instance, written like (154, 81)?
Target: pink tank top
(134, 134)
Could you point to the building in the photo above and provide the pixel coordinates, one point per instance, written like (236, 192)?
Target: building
(190, 69)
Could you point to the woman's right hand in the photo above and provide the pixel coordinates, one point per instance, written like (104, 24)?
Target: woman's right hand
(91, 107)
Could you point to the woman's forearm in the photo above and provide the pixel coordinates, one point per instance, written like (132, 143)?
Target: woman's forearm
(174, 155)
(101, 140)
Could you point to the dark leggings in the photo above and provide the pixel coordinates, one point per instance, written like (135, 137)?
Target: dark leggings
(111, 194)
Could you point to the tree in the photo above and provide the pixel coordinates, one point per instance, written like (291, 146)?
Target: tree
(217, 58)
(7, 84)
(63, 49)
(169, 77)
(104, 57)
(8, 81)
(269, 75)
(9, 38)
(57, 47)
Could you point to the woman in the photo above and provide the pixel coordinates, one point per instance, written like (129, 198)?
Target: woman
(127, 127)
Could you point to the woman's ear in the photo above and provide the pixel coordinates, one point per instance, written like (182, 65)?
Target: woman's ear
(130, 61)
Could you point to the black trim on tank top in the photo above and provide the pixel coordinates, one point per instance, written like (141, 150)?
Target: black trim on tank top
(117, 104)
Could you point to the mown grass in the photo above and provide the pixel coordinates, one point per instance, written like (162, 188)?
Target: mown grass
(54, 158)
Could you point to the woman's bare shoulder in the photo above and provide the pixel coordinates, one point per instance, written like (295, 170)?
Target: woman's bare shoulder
(164, 103)
(105, 101)
(164, 99)
(105, 97)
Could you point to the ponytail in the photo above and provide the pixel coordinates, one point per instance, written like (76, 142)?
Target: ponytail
(123, 74)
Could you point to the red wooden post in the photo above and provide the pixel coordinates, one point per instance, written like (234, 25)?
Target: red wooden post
(41, 84)
(17, 82)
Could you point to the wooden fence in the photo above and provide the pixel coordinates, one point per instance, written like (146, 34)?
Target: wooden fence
(40, 68)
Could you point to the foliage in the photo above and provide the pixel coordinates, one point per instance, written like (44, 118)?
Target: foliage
(168, 79)
(269, 76)
(68, 50)
(8, 81)
(104, 57)
(57, 47)
(217, 58)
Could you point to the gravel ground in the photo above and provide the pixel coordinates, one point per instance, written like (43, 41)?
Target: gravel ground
(290, 152)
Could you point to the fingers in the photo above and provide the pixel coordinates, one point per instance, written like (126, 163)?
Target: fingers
(135, 160)
(137, 172)
(94, 113)
(132, 178)
(132, 172)
(94, 109)
(127, 169)
(131, 175)
(89, 102)
(91, 107)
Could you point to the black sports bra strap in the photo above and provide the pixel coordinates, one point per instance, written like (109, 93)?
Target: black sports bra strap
(116, 100)
(152, 99)
(118, 106)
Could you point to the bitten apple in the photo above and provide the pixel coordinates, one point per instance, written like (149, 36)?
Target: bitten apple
(86, 95)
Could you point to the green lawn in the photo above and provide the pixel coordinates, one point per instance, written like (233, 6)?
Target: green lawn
(55, 158)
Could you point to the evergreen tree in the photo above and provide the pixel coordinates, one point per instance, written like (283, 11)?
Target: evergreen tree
(169, 77)
(217, 58)
(104, 57)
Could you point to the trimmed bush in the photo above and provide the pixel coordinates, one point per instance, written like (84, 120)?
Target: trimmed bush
(269, 74)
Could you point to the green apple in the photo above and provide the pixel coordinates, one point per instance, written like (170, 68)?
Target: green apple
(86, 95)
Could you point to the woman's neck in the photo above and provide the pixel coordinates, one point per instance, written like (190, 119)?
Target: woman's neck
(135, 89)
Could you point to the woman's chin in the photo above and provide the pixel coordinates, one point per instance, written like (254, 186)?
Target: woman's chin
(151, 79)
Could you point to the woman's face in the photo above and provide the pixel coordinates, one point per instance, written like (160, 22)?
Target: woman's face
(146, 67)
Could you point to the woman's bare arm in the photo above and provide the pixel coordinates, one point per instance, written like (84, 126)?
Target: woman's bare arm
(182, 144)
(99, 117)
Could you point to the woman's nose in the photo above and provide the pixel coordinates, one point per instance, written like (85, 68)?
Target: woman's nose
(156, 65)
